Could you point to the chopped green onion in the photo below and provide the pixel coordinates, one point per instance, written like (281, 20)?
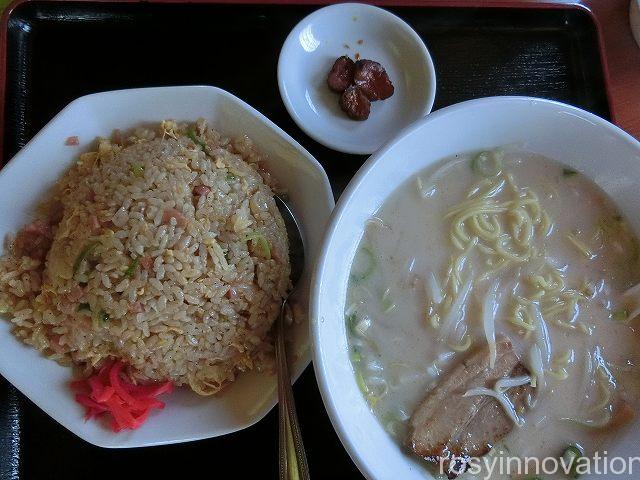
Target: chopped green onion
(362, 326)
(361, 383)
(192, 135)
(231, 177)
(619, 315)
(371, 265)
(99, 319)
(133, 266)
(571, 456)
(84, 306)
(387, 303)
(137, 170)
(355, 356)
(84, 254)
(4, 308)
(352, 320)
(487, 164)
(569, 172)
(391, 423)
(259, 242)
(103, 316)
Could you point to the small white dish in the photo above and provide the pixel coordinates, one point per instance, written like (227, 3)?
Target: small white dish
(187, 416)
(375, 34)
(577, 138)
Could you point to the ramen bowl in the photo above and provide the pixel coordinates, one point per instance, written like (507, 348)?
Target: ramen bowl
(578, 139)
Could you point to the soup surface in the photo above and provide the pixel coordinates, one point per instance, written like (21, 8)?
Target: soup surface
(490, 244)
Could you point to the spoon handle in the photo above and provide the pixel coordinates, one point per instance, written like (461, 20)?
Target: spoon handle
(293, 459)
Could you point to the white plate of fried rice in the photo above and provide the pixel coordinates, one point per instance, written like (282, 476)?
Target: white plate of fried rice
(140, 226)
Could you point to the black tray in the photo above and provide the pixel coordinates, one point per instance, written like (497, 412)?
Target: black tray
(57, 51)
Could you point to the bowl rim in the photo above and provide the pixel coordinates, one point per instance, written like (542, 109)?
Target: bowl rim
(323, 260)
(429, 98)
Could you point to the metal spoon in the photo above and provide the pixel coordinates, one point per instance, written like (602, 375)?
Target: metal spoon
(292, 457)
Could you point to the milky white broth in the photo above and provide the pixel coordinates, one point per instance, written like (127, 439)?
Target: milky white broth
(396, 353)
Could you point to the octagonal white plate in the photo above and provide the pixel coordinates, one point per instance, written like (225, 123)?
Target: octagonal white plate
(41, 162)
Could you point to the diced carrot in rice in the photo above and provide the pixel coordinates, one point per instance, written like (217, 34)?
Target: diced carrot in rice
(75, 294)
(39, 227)
(200, 190)
(146, 263)
(136, 307)
(94, 224)
(170, 213)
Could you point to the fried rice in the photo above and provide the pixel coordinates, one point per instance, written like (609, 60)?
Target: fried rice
(165, 250)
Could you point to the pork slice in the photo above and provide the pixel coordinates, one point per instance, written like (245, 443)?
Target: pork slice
(450, 428)
(491, 422)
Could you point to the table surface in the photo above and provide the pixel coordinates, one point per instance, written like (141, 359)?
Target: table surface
(619, 51)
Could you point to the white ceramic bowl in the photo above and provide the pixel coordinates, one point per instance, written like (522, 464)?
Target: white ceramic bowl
(186, 416)
(309, 52)
(577, 138)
